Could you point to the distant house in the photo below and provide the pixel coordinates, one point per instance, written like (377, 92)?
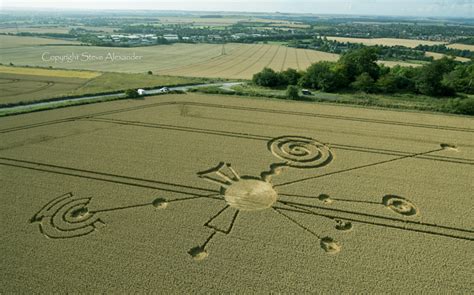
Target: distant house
(141, 91)
(239, 35)
(171, 37)
(214, 37)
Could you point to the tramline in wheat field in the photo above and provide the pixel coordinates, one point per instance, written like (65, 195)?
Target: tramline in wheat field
(309, 182)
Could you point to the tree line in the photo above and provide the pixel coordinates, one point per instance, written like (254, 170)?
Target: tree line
(384, 52)
(358, 70)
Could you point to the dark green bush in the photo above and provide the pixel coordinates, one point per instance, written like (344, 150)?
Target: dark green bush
(292, 92)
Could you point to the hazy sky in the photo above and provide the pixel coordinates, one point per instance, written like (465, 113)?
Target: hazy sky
(462, 8)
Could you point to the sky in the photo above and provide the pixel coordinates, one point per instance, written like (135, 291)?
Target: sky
(445, 8)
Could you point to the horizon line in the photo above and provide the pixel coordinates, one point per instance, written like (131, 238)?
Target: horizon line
(72, 9)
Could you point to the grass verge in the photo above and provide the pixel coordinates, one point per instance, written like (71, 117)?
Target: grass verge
(460, 105)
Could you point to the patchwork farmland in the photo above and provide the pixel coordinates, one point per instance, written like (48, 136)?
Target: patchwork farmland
(233, 61)
(140, 153)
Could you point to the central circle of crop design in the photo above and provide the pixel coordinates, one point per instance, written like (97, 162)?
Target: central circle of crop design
(250, 194)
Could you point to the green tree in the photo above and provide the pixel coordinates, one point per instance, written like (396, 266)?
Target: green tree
(131, 93)
(461, 79)
(405, 78)
(292, 92)
(460, 106)
(466, 106)
(356, 62)
(364, 82)
(267, 78)
(387, 83)
(326, 76)
(430, 77)
(315, 73)
(290, 77)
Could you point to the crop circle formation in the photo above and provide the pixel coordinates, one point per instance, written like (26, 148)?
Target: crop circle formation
(300, 152)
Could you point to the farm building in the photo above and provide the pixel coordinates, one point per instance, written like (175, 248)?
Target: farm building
(171, 37)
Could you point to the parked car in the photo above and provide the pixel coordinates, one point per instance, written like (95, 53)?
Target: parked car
(164, 90)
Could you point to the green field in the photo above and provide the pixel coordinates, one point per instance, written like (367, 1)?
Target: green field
(179, 193)
(22, 88)
(18, 87)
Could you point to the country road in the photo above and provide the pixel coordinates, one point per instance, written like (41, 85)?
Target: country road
(226, 86)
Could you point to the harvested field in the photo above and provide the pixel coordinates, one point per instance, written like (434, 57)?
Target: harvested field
(154, 58)
(386, 41)
(436, 55)
(390, 64)
(461, 47)
(247, 60)
(232, 61)
(198, 193)
(15, 42)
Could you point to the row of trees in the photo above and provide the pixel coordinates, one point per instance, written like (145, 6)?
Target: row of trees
(422, 31)
(358, 70)
(441, 48)
(383, 52)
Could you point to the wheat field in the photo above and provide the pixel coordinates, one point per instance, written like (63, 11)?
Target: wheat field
(180, 193)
